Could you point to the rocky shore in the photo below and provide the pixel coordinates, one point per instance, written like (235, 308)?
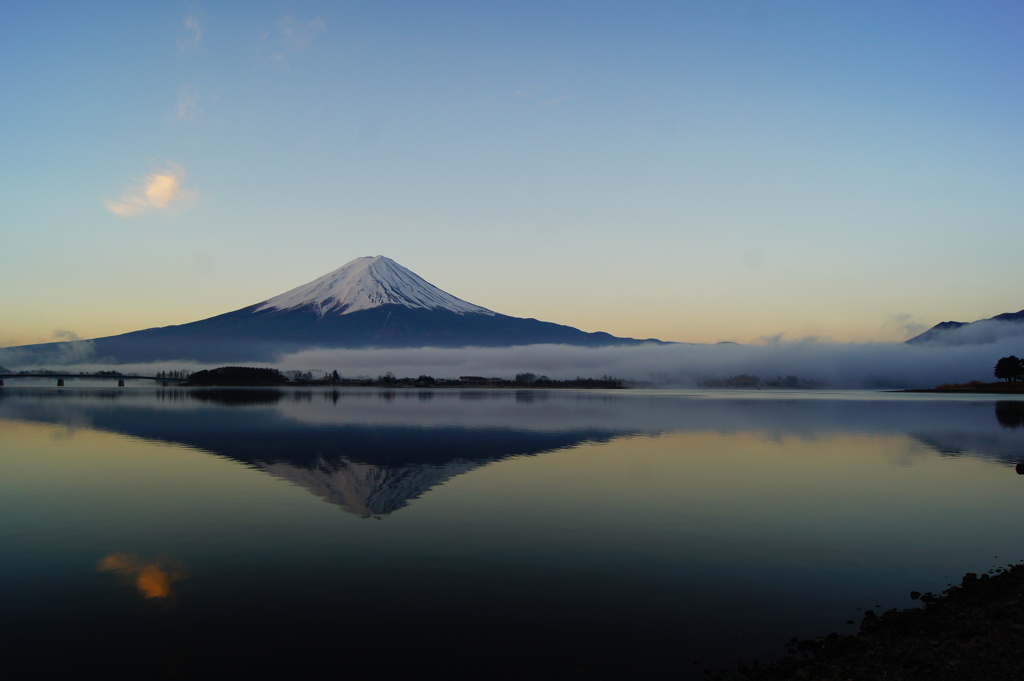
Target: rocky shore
(971, 632)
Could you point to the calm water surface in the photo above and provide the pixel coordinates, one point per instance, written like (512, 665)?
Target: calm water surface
(492, 534)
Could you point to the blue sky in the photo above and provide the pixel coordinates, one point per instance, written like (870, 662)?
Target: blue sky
(692, 171)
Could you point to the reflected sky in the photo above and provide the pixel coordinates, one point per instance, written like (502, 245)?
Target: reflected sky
(689, 528)
(370, 452)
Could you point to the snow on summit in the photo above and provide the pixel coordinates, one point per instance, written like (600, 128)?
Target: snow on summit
(366, 283)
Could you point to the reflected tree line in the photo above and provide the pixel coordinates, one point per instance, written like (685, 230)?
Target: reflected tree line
(1010, 413)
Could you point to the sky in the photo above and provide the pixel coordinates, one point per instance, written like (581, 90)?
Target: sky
(690, 171)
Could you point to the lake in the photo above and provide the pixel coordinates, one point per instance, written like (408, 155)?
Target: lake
(489, 534)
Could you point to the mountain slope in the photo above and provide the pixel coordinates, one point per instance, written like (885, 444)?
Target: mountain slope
(1006, 325)
(370, 302)
(366, 283)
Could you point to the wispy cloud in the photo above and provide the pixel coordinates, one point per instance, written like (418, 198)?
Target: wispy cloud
(157, 192)
(66, 334)
(902, 326)
(194, 37)
(554, 100)
(188, 104)
(297, 35)
(294, 37)
(72, 352)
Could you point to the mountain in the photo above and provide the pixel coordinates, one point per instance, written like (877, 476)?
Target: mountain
(369, 302)
(366, 283)
(1006, 325)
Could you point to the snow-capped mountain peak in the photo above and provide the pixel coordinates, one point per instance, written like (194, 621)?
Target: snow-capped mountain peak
(366, 283)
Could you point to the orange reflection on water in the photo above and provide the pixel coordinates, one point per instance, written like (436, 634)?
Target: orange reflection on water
(151, 578)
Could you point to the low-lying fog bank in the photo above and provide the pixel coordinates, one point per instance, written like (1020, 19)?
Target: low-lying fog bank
(850, 365)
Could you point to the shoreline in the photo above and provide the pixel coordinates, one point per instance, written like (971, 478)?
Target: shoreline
(973, 630)
(974, 387)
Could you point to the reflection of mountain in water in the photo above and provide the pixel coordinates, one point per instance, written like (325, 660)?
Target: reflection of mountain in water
(372, 471)
(366, 489)
(371, 452)
(369, 470)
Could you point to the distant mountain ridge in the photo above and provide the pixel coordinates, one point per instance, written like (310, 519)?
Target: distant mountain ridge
(371, 302)
(1006, 325)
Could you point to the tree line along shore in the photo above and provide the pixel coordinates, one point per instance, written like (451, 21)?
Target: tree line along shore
(265, 377)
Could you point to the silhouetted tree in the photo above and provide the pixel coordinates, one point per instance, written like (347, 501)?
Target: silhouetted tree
(1009, 369)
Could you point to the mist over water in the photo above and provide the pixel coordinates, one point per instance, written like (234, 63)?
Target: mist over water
(835, 365)
(874, 365)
